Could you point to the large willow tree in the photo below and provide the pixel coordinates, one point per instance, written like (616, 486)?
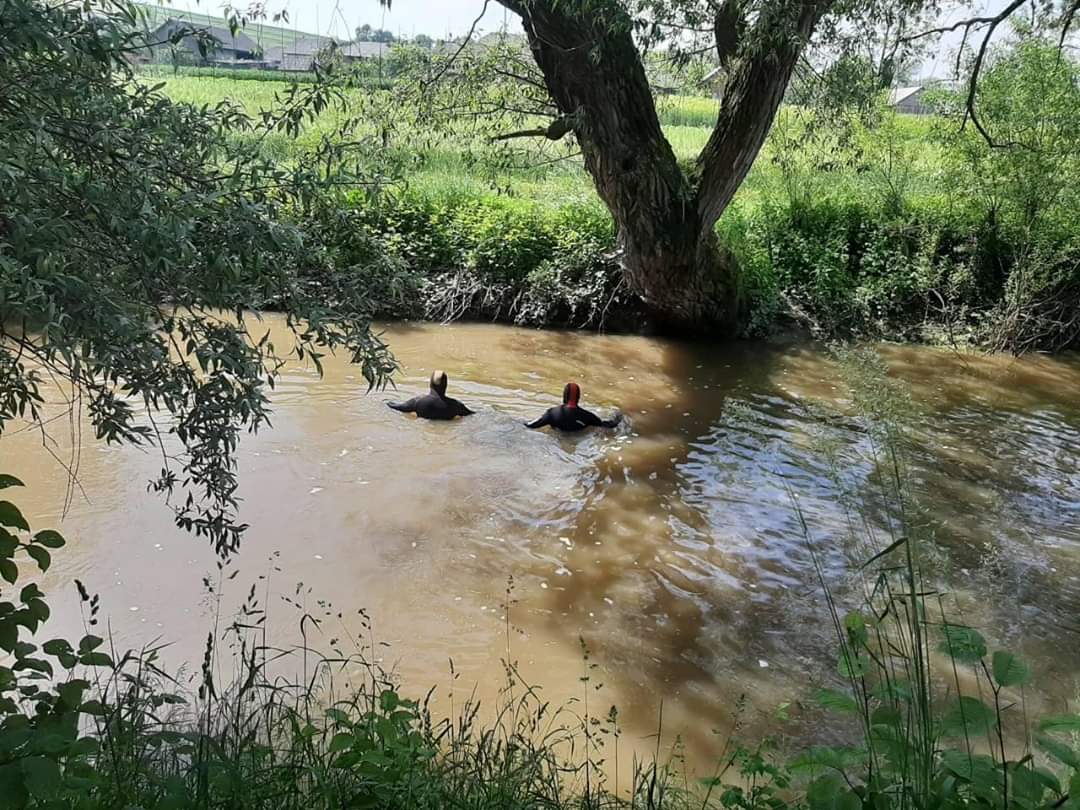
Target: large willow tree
(590, 55)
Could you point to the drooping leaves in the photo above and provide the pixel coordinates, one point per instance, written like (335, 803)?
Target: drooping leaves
(181, 216)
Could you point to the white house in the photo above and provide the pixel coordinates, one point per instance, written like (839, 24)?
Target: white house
(910, 100)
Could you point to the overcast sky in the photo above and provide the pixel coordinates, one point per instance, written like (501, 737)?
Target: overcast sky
(439, 18)
(340, 18)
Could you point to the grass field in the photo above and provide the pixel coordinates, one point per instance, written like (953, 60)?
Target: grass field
(444, 165)
(852, 224)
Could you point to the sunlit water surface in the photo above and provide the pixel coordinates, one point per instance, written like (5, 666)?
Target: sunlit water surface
(670, 546)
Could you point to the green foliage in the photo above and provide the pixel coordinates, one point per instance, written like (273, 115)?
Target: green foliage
(139, 300)
(853, 221)
(1028, 185)
(919, 745)
(484, 256)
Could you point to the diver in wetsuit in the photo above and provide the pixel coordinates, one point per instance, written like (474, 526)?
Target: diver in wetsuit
(570, 416)
(435, 404)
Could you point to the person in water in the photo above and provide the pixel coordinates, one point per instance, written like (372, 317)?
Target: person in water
(435, 404)
(570, 416)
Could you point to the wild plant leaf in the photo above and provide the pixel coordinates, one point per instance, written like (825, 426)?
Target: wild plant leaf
(855, 624)
(821, 757)
(49, 539)
(970, 767)
(821, 794)
(11, 516)
(341, 742)
(41, 776)
(890, 548)
(886, 716)
(13, 793)
(95, 659)
(9, 571)
(10, 481)
(964, 644)
(968, 717)
(893, 690)
(830, 792)
(1009, 669)
(90, 643)
(1060, 722)
(9, 635)
(41, 557)
(1030, 784)
(1059, 751)
(852, 665)
(9, 543)
(836, 701)
(337, 715)
(56, 646)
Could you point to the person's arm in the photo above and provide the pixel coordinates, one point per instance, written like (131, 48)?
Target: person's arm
(405, 407)
(539, 423)
(590, 419)
(612, 422)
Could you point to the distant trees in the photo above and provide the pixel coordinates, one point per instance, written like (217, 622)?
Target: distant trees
(365, 33)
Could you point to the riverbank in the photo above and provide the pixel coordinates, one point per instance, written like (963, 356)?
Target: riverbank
(851, 223)
(826, 267)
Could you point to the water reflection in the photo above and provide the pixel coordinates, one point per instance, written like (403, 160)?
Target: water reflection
(669, 546)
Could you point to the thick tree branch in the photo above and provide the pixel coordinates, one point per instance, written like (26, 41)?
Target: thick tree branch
(1066, 23)
(554, 131)
(969, 23)
(973, 82)
(755, 86)
(728, 29)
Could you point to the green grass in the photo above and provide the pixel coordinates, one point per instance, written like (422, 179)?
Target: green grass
(687, 123)
(851, 227)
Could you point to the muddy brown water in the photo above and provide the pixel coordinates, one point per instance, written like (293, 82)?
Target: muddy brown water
(670, 546)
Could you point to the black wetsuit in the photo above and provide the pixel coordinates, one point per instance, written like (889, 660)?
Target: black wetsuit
(571, 418)
(432, 405)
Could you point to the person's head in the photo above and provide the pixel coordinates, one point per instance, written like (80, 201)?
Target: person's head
(571, 394)
(438, 382)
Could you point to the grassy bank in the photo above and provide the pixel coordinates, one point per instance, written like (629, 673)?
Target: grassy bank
(929, 715)
(868, 224)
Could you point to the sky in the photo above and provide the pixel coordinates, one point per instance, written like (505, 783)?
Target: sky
(442, 18)
(339, 18)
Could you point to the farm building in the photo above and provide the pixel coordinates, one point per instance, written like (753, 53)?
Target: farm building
(303, 54)
(909, 100)
(221, 45)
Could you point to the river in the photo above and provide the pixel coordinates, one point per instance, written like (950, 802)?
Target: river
(669, 547)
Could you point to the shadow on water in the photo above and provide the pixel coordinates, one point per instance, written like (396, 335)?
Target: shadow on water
(676, 558)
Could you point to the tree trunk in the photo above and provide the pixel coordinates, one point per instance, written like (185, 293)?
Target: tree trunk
(665, 217)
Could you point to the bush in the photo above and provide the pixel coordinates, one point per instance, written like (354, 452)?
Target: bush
(484, 256)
